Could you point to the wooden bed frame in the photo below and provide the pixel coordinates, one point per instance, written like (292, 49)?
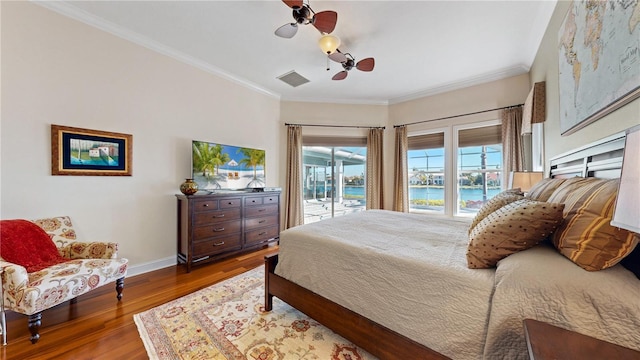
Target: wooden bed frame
(378, 340)
(600, 159)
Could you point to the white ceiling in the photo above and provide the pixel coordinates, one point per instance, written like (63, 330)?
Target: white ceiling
(420, 47)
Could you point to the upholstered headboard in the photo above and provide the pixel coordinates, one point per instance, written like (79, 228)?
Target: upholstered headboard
(602, 159)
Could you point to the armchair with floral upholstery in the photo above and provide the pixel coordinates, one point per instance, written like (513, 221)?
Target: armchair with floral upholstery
(44, 266)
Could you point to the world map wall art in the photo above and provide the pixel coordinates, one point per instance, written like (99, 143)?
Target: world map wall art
(599, 60)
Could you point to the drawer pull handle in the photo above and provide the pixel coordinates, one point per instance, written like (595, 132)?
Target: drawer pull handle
(261, 210)
(262, 233)
(218, 229)
(205, 205)
(230, 203)
(219, 243)
(218, 216)
(262, 221)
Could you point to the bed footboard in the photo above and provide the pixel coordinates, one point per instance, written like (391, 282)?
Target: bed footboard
(369, 335)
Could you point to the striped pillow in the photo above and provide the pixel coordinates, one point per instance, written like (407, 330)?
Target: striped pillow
(569, 186)
(543, 189)
(585, 236)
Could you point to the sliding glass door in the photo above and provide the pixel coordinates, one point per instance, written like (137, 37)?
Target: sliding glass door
(333, 181)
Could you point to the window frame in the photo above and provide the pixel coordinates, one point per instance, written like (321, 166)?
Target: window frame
(447, 165)
(455, 210)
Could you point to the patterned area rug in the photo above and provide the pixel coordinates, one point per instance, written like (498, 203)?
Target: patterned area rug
(227, 321)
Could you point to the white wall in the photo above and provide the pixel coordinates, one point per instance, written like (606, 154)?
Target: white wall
(545, 68)
(58, 71)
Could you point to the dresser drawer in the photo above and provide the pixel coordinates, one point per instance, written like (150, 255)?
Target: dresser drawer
(275, 199)
(214, 217)
(217, 245)
(260, 235)
(253, 200)
(219, 229)
(261, 210)
(258, 222)
(205, 205)
(230, 203)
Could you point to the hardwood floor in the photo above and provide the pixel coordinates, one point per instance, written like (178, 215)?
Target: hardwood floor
(100, 327)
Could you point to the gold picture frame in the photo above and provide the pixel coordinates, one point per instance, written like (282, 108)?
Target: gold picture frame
(77, 151)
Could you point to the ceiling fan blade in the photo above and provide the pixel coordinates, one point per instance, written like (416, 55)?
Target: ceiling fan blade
(366, 64)
(287, 30)
(339, 76)
(293, 3)
(337, 56)
(325, 21)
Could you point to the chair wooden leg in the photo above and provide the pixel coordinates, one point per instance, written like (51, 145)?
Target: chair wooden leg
(119, 287)
(35, 321)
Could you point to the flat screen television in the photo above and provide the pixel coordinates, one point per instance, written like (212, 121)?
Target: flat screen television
(216, 166)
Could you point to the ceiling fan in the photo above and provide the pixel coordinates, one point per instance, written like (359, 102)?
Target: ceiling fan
(324, 21)
(348, 62)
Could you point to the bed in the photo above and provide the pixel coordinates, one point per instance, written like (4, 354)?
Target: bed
(400, 285)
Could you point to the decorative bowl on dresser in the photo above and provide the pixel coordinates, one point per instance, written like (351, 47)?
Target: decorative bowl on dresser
(218, 225)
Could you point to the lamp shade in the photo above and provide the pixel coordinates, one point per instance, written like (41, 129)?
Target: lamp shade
(329, 43)
(627, 212)
(524, 179)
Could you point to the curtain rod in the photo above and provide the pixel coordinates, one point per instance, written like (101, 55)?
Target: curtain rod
(338, 126)
(455, 116)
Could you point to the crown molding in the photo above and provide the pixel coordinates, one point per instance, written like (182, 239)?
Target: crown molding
(476, 80)
(335, 101)
(68, 10)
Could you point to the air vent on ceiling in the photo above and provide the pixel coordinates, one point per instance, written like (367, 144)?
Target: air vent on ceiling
(293, 78)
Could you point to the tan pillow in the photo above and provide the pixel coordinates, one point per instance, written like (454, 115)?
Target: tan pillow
(585, 236)
(543, 189)
(495, 203)
(517, 226)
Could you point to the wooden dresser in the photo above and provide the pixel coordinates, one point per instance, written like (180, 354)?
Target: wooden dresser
(214, 226)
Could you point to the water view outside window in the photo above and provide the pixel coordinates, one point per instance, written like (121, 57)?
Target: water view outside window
(426, 180)
(479, 176)
(333, 181)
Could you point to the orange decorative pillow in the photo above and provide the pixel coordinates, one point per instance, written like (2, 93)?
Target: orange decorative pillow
(514, 227)
(26, 244)
(495, 203)
(585, 236)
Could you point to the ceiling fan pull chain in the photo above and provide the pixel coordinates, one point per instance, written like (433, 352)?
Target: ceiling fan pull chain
(328, 63)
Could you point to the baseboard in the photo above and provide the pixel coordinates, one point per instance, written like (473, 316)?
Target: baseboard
(151, 266)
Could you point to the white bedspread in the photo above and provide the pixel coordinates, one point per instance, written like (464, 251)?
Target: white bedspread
(542, 284)
(407, 272)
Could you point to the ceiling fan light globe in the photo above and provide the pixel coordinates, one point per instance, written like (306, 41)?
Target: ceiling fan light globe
(329, 43)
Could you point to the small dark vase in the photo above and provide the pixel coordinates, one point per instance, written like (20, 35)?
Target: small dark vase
(189, 187)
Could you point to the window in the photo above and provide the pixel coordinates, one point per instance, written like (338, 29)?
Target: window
(454, 170)
(333, 178)
(479, 167)
(426, 164)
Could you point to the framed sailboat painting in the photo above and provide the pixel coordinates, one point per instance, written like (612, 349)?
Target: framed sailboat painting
(76, 151)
